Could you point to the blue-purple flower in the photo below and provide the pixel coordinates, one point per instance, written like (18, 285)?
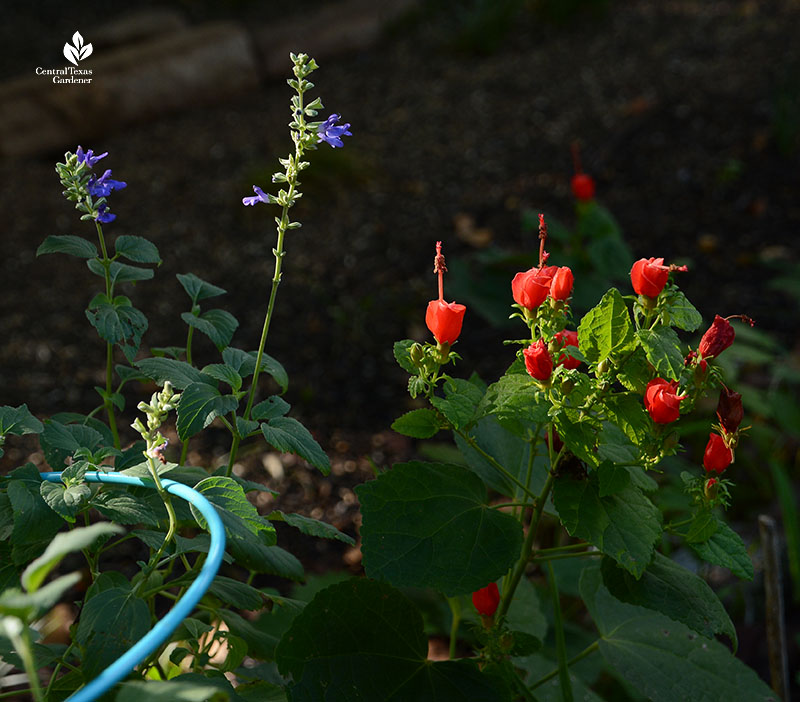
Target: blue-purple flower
(329, 131)
(88, 157)
(260, 196)
(103, 215)
(102, 186)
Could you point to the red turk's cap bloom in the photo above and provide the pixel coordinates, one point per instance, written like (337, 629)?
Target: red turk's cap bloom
(531, 287)
(717, 456)
(649, 276)
(538, 361)
(486, 599)
(567, 338)
(444, 319)
(582, 186)
(729, 410)
(561, 284)
(662, 401)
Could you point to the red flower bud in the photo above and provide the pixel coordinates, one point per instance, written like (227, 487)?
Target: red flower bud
(717, 456)
(567, 338)
(662, 401)
(561, 285)
(538, 361)
(531, 287)
(649, 276)
(710, 488)
(582, 186)
(444, 319)
(720, 336)
(729, 410)
(486, 599)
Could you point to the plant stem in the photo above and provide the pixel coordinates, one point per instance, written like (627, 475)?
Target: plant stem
(561, 556)
(455, 609)
(591, 648)
(561, 647)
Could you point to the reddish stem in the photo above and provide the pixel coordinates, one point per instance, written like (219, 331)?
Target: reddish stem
(439, 268)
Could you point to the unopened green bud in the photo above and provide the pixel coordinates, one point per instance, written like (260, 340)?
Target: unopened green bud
(416, 354)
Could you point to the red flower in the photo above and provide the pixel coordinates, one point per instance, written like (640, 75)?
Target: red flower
(729, 410)
(717, 456)
(444, 319)
(662, 401)
(720, 336)
(710, 488)
(567, 338)
(649, 276)
(582, 186)
(561, 284)
(538, 361)
(486, 599)
(531, 287)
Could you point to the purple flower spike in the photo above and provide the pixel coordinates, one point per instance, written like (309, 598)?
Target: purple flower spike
(104, 216)
(260, 196)
(88, 157)
(331, 133)
(102, 186)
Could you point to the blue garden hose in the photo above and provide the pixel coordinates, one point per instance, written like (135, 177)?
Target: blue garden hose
(120, 668)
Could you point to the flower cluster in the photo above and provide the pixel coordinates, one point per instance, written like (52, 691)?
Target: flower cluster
(88, 190)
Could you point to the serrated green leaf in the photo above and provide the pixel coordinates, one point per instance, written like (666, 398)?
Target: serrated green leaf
(518, 403)
(235, 593)
(229, 498)
(111, 622)
(612, 479)
(179, 373)
(287, 434)
(64, 501)
(120, 272)
(124, 508)
(606, 329)
(664, 659)
(702, 527)
(198, 289)
(625, 525)
(362, 640)
(67, 244)
(725, 548)
(273, 406)
(245, 427)
(62, 544)
(312, 527)
(217, 325)
(171, 691)
(670, 589)
(18, 421)
(137, 249)
(429, 525)
(401, 351)
(59, 441)
(225, 374)
(35, 524)
(579, 434)
(117, 322)
(419, 423)
(460, 403)
(201, 404)
(679, 312)
(274, 368)
(663, 349)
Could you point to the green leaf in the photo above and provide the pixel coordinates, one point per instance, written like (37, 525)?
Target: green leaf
(274, 368)
(124, 508)
(32, 605)
(670, 589)
(62, 544)
(117, 322)
(419, 423)
(35, 524)
(429, 525)
(402, 355)
(635, 372)
(518, 403)
(198, 289)
(725, 548)
(201, 404)
(625, 525)
(312, 527)
(169, 691)
(137, 249)
(245, 427)
(578, 432)
(18, 421)
(179, 373)
(664, 659)
(120, 272)
(224, 373)
(59, 441)
(287, 434)
(614, 446)
(606, 329)
(703, 527)
(663, 349)
(460, 403)
(217, 325)
(363, 641)
(612, 479)
(235, 593)
(65, 501)
(626, 411)
(111, 622)
(67, 244)
(273, 406)
(679, 312)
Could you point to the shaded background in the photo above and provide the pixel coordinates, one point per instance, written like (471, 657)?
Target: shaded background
(688, 116)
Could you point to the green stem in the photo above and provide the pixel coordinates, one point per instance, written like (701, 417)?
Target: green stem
(22, 643)
(561, 556)
(59, 664)
(455, 609)
(559, 549)
(591, 648)
(109, 405)
(561, 646)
